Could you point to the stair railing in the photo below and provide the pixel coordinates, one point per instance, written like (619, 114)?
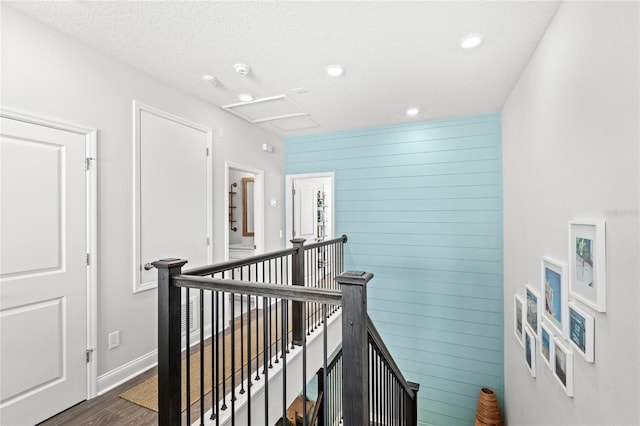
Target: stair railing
(364, 362)
(373, 376)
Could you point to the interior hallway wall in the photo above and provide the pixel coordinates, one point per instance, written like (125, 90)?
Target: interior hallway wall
(47, 73)
(571, 150)
(421, 204)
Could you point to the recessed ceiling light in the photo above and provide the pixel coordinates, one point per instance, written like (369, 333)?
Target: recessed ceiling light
(245, 97)
(413, 111)
(335, 70)
(471, 40)
(209, 79)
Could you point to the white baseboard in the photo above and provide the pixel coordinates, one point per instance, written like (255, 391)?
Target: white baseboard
(125, 372)
(128, 371)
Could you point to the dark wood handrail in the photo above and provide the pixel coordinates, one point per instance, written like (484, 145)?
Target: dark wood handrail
(335, 360)
(289, 292)
(343, 239)
(225, 266)
(377, 340)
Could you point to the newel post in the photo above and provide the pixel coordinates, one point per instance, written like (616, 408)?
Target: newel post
(169, 344)
(297, 279)
(413, 413)
(355, 347)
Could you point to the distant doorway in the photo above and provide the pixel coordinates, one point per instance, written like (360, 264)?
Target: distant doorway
(310, 206)
(244, 210)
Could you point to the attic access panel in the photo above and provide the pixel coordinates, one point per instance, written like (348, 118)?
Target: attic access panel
(266, 109)
(295, 123)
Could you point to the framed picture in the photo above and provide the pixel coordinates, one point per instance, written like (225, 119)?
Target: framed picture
(555, 292)
(546, 345)
(530, 350)
(518, 315)
(587, 263)
(581, 331)
(563, 366)
(532, 299)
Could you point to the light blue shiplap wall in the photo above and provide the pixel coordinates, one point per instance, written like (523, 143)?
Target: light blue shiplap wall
(421, 204)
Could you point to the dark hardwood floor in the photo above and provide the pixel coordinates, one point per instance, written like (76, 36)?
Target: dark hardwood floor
(108, 409)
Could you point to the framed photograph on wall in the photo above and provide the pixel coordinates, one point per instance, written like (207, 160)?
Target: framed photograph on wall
(563, 366)
(546, 345)
(532, 311)
(530, 350)
(555, 295)
(581, 331)
(587, 263)
(518, 317)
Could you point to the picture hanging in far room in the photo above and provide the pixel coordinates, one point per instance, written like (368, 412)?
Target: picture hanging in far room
(532, 308)
(530, 350)
(581, 331)
(555, 295)
(546, 345)
(587, 263)
(563, 366)
(518, 315)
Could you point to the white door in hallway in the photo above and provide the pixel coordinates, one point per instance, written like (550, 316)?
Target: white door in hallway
(173, 193)
(43, 272)
(305, 209)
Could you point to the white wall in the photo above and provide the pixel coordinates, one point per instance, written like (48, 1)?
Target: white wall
(570, 150)
(47, 73)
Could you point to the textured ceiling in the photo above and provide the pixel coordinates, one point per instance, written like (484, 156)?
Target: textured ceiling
(395, 54)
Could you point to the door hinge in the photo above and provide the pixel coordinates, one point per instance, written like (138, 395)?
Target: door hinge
(88, 259)
(208, 241)
(87, 163)
(207, 152)
(88, 355)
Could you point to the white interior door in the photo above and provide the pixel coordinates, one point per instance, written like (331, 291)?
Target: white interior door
(43, 272)
(304, 209)
(173, 193)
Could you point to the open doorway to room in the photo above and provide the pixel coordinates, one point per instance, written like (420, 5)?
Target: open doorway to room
(244, 208)
(310, 207)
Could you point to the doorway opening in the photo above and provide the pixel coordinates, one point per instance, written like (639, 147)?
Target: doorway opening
(310, 210)
(244, 209)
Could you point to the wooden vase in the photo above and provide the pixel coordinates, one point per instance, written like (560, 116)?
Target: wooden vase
(488, 412)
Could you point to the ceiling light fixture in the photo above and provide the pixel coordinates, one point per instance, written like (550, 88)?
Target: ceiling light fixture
(245, 97)
(209, 79)
(242, 69)
(471, 40)
(335, 70)
(413, 111)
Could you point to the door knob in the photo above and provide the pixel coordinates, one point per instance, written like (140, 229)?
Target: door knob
(148, 266)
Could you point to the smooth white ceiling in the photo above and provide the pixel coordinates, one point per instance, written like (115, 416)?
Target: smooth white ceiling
(395, 54)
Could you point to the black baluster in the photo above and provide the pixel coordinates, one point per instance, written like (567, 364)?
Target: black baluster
(242, 391)
(224, 351)
(264, 358)
(214, 356)
(201, 358)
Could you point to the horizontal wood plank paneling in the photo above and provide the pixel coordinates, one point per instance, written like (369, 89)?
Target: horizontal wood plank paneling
(422, 206)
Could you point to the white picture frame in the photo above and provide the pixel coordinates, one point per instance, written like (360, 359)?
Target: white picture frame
(588, 263)
(547, 345)
(581, 331)
(518, 318)
(555, 295)
(532, 308)
(563, 366)
(530, 350)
